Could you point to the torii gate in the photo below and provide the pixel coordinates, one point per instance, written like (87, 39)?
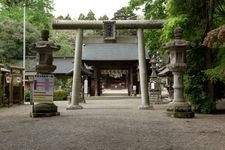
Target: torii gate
(81, 25)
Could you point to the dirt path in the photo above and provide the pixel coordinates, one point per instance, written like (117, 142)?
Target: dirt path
(109, 124)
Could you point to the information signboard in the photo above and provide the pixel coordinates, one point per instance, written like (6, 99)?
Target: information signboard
(43, 87)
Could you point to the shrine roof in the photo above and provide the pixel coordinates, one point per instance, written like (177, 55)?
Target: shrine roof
(64, 65)
(110, 52)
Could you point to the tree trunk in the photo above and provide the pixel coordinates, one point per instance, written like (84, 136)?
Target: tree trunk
(208, 52)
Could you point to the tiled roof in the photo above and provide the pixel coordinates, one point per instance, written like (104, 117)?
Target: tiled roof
(63, 65)
(110, 51)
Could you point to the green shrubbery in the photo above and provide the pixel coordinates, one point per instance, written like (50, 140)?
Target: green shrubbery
(195, 82)
(59, 95)
(27, 96)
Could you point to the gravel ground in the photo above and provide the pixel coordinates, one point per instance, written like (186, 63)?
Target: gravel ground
(109, 124)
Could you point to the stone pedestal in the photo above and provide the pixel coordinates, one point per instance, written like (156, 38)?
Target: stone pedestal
(179, 110)
(44, 110)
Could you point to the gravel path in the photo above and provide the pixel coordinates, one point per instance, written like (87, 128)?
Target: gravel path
(109, 124)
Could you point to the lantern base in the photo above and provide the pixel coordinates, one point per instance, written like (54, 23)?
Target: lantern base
(145, 107)
(179, 110)
(44, 110)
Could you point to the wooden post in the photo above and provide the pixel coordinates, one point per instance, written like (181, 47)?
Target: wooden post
(131, 81)
(10, 101)
(127, 82)
(21, 88)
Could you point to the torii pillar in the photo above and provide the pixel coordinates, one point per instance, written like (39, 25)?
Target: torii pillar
(77, 72)
(119, 24)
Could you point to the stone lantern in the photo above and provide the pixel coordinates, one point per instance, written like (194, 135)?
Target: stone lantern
(43, 82)
(178, 108)
(44, 50)
(154, 84)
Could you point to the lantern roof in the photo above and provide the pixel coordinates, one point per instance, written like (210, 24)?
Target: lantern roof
(44, 44)
(178, 42)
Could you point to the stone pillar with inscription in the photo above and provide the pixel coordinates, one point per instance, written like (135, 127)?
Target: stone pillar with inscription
(43, 82)
(178, 108)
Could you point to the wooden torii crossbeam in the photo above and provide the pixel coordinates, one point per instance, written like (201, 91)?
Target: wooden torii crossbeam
(81, 25)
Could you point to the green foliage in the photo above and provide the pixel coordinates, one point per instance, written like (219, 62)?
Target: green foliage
(66, 40)
(188, 15)
(68, 85)
(196, 18)
(195, 82)
(38, 12)
(124, 14)
(59, 95)
(217, 73)
(11, 39)
(90, 16)
(64, 84)
(153, 9)
(81, 16)
(105, 17)
(27, 95)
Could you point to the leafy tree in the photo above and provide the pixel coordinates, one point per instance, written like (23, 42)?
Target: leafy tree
(153, 9)
(105, 17)
(9, 4)
(90, 16)
(11, 40)
(66, 40)
(38, 12)
(81, 16)
(124, 14)
(60, 17)
(68, 17)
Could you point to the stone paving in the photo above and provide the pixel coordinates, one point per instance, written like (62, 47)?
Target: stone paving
(109, 124)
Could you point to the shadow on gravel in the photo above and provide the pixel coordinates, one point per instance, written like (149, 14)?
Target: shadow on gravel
(221, 111)
(116, 108)
(111, 98)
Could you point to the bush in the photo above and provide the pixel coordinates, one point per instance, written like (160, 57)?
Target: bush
(195, 82)
(59, 95)
(27, 96)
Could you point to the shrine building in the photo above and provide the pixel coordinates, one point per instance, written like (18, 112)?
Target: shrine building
(114, 64)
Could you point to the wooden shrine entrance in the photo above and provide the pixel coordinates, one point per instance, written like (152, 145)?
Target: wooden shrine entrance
(115, 65)
(114, 79)
(123, 77)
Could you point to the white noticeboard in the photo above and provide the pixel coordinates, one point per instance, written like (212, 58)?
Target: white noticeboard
(86, 86)
(43, 86)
